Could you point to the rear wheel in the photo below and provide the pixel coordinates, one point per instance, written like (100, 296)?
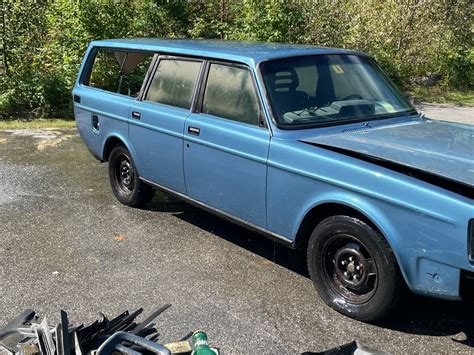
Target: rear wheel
(124, 180)
(353, 268)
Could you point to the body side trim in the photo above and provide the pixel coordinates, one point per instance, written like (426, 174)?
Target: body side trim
(361, 190)
(227, 150)
(157, 129)
(102, 113)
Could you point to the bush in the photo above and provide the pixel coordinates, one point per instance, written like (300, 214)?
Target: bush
(423, 42)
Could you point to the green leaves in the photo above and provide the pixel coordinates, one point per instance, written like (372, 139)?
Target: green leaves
(44, 42)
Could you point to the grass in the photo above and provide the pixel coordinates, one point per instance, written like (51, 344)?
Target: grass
(438, 95)
(39, 123)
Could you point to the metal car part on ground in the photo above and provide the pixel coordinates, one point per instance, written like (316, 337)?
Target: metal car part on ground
(26, 335)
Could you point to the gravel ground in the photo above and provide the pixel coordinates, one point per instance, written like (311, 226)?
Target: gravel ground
(448, 112)
(66, 243)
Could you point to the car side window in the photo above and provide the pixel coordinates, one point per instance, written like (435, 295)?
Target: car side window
(173, 82)
(230, 93)
(118, 71)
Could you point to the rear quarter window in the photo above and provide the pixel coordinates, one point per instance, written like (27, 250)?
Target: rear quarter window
(119, 71)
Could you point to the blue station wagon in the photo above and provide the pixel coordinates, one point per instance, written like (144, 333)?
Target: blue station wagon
(313, 147)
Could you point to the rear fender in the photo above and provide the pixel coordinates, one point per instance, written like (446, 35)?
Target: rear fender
(117, 136)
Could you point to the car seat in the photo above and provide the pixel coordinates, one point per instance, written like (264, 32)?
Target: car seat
(283, 82)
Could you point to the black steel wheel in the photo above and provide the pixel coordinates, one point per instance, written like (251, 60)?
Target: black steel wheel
(349, 269)
(124, 179)
(124, 175)
(353, 268)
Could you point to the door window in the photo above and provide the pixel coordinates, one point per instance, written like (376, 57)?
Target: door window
(230, 93)
(173, 83)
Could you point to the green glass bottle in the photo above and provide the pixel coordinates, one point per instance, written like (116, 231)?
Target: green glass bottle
(200, 344)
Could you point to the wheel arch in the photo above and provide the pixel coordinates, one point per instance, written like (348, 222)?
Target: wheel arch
(369, 215)
(112, 141)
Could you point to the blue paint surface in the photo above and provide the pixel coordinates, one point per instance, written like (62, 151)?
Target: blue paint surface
(247, 52)
(442, 148)
(271, 179)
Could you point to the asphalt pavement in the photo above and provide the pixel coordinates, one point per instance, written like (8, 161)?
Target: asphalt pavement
(67, 243)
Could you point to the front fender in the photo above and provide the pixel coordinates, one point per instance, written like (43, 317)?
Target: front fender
(425, 225)
(367, 209)
(409, 235)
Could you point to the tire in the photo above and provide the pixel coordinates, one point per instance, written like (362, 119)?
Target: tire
(353, 268)
(124, 179)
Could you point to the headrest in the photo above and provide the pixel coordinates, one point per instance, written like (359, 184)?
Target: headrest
(284, 78)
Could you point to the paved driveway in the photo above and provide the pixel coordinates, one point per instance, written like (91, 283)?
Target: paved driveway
(447, 112)
(66, 243)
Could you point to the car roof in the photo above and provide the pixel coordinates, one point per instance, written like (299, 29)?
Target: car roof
(247, 52)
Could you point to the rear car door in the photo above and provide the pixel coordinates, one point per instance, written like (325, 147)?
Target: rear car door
(226, 145)
(157, 121)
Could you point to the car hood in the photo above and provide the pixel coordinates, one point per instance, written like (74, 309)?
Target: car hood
(437, 147)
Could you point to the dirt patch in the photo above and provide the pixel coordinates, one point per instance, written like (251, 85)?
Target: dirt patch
(44, 138)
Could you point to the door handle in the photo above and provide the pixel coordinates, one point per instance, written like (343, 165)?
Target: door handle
(137, 115)
(77, 99)
(194, 130)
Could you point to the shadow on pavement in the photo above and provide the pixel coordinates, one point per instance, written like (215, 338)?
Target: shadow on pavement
(416, 314)
(293, 260)
(427, 316)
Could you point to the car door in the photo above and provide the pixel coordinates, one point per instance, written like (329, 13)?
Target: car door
(226, 145)
(157, 121)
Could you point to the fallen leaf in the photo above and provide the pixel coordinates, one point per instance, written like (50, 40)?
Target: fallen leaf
(119, 237)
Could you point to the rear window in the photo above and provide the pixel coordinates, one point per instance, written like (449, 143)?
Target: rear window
(173, 82)
(119, 72)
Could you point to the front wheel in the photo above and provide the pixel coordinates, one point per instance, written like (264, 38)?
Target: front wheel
(353, 268)
(123, 176)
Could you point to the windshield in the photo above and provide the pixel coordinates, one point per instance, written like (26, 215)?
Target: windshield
(329, 89)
